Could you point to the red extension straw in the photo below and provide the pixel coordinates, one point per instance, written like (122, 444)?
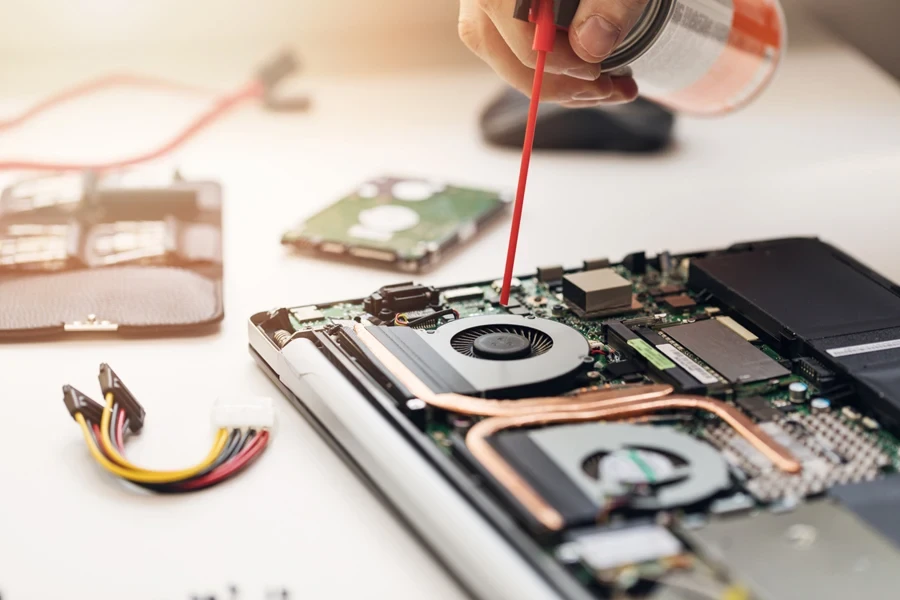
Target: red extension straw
(544, 36)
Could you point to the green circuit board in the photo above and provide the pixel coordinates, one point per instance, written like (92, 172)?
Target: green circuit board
(545, 301)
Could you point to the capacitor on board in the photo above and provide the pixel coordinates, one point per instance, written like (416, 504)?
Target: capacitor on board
(797, 392)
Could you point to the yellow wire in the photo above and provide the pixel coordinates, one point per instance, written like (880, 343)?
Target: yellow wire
(735, 592)
(146, 476)
(106, 442)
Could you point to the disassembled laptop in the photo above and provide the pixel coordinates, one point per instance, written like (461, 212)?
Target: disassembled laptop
(715, 425)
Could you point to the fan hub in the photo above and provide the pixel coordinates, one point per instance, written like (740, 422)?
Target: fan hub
(502, 346)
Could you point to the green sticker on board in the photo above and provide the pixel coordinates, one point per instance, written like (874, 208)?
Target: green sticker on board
(656, 358)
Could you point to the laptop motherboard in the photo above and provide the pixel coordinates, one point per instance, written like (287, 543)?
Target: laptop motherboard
(718, 425)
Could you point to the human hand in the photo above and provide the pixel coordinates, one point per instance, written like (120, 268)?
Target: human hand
(489, 30)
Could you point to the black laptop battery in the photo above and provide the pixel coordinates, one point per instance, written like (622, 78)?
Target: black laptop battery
(812, 300)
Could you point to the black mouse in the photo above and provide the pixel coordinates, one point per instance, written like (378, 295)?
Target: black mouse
(639, 126)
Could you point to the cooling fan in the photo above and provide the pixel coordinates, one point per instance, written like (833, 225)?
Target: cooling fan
(502, 342)
(656, 468)
(510, 355)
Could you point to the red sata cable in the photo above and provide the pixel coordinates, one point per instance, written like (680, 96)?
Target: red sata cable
(260, 87)
(544, 36)
(95, 85)
(252, 90)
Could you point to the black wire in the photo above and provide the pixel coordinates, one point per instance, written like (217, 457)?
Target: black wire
(253, 459)
(237, 441)
(232, 447)
(251, 435)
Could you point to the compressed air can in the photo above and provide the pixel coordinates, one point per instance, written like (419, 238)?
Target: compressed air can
(703, 57)
(700, 57)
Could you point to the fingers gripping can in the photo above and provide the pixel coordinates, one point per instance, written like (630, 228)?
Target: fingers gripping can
(703, 57)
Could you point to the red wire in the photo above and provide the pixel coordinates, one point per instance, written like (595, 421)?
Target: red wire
(229, 469)
(98, 434)
(86, 88)
(120, 430)
(233, 466)
(254, 89)
(523, 175)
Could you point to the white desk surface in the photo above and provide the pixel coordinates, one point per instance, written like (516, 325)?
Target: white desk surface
(819, 154)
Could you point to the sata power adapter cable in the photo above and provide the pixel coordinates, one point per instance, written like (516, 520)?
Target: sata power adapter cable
(243, 430)
(548, 16)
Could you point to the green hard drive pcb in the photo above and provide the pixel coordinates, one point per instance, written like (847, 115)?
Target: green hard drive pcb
(407, 224)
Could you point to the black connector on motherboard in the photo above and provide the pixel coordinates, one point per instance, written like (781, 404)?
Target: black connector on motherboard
(76, 403)
(401, 298)
(111, 384)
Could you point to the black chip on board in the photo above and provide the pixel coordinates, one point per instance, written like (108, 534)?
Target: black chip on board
(678, 301)
(618, 370)
(667, 290)
(636, 263)
(759, 407)
(813, 370)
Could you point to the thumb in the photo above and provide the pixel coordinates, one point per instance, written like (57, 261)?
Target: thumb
(601, 25)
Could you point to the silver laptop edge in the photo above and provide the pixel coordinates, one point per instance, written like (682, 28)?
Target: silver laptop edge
(468, 544)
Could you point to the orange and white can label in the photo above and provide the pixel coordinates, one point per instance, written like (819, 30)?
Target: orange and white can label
(712, 56)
